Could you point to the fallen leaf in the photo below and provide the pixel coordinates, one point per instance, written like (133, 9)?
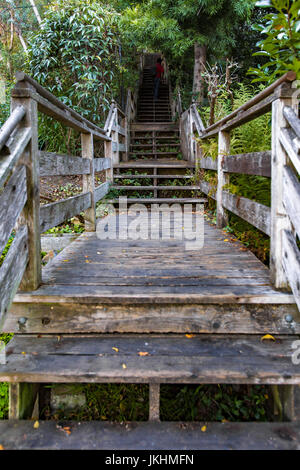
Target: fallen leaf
(203, 429)
(36, 425)
(226, 240)
(1, 447)
(67, 430)
(267, 337)
(189, 336)
(66, 260)
(24, 353)
(115, 349)
(143, 353)
(124, 366)
(87, 261)
(225, 420)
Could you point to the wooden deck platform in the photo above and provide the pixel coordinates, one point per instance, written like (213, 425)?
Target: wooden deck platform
(155, 286)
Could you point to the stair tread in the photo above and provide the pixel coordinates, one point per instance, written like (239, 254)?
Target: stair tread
(203, 358)
(99, 435)
(161, 188)
(160, 200)
(130, 176)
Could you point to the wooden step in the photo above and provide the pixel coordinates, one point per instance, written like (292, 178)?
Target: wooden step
(149, 436)
(166, 144)
(215, 359)
(155, 164)
(160, 188)
(149, 127)
(159, 200)
(152, 153)
(130, 176)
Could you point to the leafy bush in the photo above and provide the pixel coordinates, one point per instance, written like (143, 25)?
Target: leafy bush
(281, 40)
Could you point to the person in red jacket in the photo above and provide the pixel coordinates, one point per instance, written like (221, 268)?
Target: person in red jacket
(158, 76)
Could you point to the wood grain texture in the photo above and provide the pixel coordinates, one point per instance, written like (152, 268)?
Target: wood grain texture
(291, 197)
(57, 212)
(12, 201)
(12, 270)
(173, 359)
(97, 435)
(256, 163)
(97, 285)
(52, 164)
(291, 263)
(16, 145)
(253, 212)
(10, 124)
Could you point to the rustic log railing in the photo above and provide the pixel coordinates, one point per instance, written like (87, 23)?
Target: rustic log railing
(281, 221)
(22, 164)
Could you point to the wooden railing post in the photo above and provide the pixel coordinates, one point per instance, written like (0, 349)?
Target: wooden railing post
(223, 178)
(88, 181)
(108, 154)
(31, 213)
(279, 219)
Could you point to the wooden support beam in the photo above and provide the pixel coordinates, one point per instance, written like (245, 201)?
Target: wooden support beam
(223, 178)
(31, 213)
(154, 402)
(22, 398)
(87, 149)
(279, 219)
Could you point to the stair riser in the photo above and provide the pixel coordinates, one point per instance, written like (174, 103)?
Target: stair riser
(138, 316)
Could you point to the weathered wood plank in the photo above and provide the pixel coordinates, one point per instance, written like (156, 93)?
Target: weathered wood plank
(52, 164)
(286, 138)
(291, 197)
(279, 219)
(12, 270)
(174, 359)
(10, 124)
(101, 191)
(30, 215)
(292, 119)
(223, 178)
(12, 201)
(101, 164)
(16, 145)
(253, 212)
(208, 163)
(88, 181)
(57, 212)
(256, 163)
(20, 435)
(53, 242)
(291, 263)
(158, 314)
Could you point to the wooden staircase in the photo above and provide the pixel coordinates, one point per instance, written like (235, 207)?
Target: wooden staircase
(155, 171)
(146, 310)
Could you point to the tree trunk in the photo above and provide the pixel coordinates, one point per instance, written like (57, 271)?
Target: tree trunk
(199, 64)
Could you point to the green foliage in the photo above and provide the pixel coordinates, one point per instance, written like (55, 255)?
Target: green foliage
(254, 136)
(213, 403)
(281, 40)
(75, 56)
(4, 252)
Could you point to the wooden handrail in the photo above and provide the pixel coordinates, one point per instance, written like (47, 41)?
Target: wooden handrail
(287, 77)
(10, 125)
(23, 77)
